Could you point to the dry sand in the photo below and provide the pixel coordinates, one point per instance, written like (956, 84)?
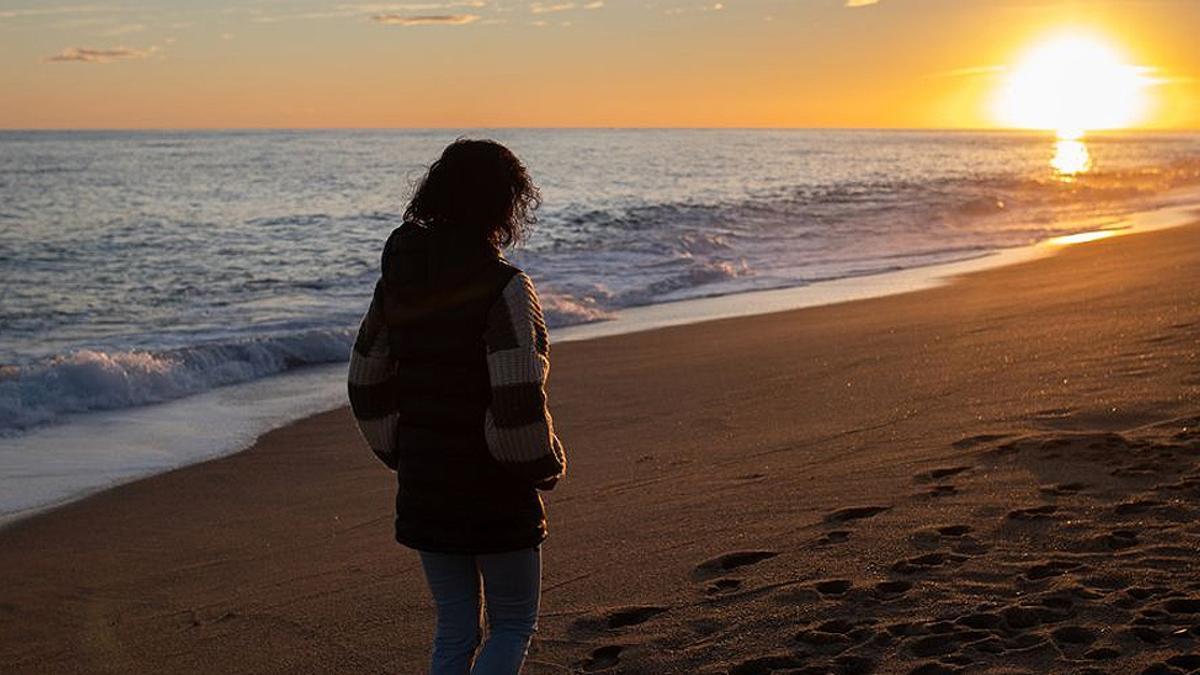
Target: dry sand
(998, 475)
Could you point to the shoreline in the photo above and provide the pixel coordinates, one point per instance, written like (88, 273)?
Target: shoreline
(860, 483)
(244, 424)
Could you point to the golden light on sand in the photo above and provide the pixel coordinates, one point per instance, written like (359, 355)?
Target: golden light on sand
(1082, 237)
(1072, 83)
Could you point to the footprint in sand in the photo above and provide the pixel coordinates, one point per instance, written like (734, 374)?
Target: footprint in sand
(632, 616)
(892, 589)
(926, 562)
(1052, 568)
(1135, 507)
(1185, 606)
(833, 586)
(1074, 636)
(832, 637)
(765, 665)
(1105, 583)
(1101, 654)
(602, 658)
(834, 537)
(730, 561)
(1188, 662)
(1118, 540)
(981, 439)
(1062, 489)
(938, 474)
(1142, 593)
(957, 537)
(855, 513)
(1145, 634)
(1033, 513)
(943, 490)
(934, 668)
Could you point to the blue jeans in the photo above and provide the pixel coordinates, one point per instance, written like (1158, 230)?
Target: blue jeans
(511, 585)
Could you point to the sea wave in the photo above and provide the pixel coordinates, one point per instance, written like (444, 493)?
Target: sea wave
(89, 380)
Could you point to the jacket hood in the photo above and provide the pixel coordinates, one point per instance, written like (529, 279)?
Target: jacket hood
(417, 256)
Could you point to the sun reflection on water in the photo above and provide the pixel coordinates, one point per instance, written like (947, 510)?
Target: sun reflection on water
(1071, 158)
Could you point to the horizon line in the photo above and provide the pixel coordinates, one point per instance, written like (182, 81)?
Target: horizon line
(597, 128)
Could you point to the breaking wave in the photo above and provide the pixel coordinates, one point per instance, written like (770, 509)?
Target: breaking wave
(88, 380)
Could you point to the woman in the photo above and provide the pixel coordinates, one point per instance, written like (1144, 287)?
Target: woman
(447, 382)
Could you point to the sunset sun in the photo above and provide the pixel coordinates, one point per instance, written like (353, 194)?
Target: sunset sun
(1070, 84)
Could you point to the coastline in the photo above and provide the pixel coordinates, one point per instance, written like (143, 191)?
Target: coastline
(244, 412)
(899, 457)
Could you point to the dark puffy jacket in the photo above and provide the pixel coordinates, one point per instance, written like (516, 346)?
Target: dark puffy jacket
(468, 450)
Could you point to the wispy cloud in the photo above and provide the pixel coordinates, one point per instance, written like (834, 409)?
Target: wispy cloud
(125, 29)
(400, 7)
(373, 9)
(88, 55)
(861, 3)
(676, 11)
(49, 11)
(425, 19)
(540, 8)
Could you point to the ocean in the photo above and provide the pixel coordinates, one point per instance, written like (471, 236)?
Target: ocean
(165, 297)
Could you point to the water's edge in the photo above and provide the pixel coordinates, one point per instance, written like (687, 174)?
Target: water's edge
(158, 434)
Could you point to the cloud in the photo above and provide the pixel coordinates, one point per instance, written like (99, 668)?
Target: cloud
(87, 55)
(124, 29)
(425, 19)
(539, 8)
(374, 9)
(861, 3)
(400, 7)
(45, 11)
(676, 11)
(545, 8)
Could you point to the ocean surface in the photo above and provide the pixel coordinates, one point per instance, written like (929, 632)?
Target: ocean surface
(211, 271)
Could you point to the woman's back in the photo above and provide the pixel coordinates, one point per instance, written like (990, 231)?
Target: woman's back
(453, 496)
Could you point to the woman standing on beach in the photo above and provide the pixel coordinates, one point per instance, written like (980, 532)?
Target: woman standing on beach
(447, 382)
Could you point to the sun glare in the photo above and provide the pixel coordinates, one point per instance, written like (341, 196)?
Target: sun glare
(1070, 84)
(1071, 157)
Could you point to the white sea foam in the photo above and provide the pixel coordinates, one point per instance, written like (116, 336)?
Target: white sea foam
(89, 380)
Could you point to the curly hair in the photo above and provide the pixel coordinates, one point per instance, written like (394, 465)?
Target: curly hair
(477, 185)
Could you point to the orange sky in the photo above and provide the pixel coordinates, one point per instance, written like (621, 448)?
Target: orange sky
(488, 63)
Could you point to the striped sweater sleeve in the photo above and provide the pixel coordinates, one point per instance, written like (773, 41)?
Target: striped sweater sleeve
(519, 429)
(371, 389)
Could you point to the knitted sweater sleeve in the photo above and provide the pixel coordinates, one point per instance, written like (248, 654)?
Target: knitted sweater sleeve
(519, 429)
(371, 386)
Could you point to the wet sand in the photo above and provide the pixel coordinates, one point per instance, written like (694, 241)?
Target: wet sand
(1001, 475)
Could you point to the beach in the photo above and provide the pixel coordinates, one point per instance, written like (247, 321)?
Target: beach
(1001, 474)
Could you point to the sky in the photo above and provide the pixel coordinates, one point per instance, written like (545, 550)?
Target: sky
(589, 63)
